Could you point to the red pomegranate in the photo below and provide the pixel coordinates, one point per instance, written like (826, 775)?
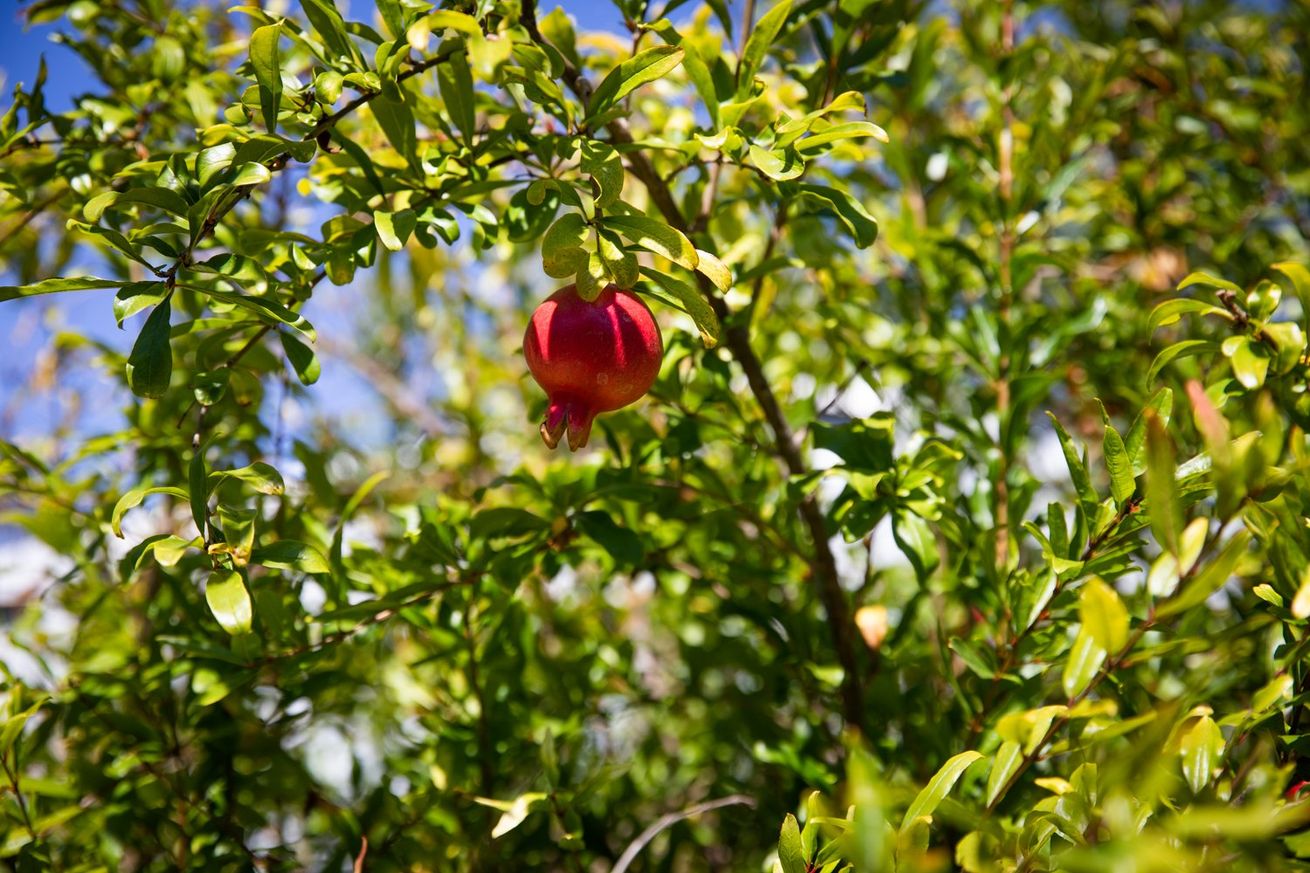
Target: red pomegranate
(590, 357)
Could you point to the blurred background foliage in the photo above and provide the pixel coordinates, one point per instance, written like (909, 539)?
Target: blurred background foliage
(965, 527)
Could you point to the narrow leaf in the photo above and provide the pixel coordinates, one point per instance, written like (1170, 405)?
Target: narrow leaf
(766, 30)
(790, 852)
(1161, 489)
(1007, 760)
(54, 286)
(646, 66)
(939, 786)
(264, 60)
(1085, 658)
(1122, 481)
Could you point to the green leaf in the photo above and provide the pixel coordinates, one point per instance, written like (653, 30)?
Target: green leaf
(646, 66)
(386, 231)
(159, 198)
(1082, 482)
(837, 132)
(1289, 341)
(290, 555)
(211, 162)
(515, 813)
(506, 521)
(397, 121)
(779, 165)
(252, 174)
(713, 269)
(1298, 277)
(448, 19)
(1250, 360)
(228, 600)
(266, 308)
(329, 25)
(1202, 278)
(1210, 579)
(926, 802)
(14, 723)
(620, 263)
(623, 545)
(1201, 749)
(1004, 765)
(1184, 349)
(133, 499)
(209, 386)
(1085, 659)
(592, 277)
(327, 87)
(656, 236)
(1161, 489)
(150, 366)
(1103, 615)
(260, 476)
(303, 359)
(692, 301)
(862, 226)
(974, 657)
(605, 167)
(455, 81)
(264, 60)
(238, 527)
(361, 494)
(1161, 405)
(562, 252)
(790, 853)
(55, 286)
(763, 34)
(915, 538)
(1122, 481)
(697, 70)
(1172, 310)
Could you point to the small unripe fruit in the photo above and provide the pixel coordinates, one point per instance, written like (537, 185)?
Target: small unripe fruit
(590, 357)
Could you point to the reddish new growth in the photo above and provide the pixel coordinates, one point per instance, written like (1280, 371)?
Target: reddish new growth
(590, 357)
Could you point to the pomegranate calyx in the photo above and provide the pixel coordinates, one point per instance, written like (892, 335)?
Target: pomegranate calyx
(575, 418)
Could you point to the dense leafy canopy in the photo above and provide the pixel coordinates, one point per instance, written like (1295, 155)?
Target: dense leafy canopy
(968, 521)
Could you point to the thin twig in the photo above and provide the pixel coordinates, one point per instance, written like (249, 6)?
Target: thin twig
(365, 623)
(14, 775)
(363, 851)
(32, 213)
(668, 820)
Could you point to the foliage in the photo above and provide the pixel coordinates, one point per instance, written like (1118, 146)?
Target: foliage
(966, 524)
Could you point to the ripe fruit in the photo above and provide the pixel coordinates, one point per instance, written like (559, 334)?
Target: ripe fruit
(590, 357)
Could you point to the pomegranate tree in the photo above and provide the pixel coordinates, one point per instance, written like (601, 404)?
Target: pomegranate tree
(590, 357)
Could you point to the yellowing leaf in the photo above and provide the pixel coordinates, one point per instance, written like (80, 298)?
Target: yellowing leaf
(1103, 615)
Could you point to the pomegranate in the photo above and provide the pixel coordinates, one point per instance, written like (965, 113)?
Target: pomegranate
(590, 357)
